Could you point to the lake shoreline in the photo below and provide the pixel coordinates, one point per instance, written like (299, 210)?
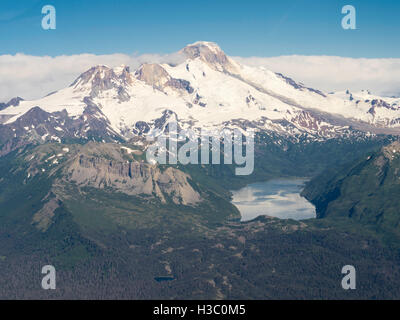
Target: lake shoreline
(280, 198)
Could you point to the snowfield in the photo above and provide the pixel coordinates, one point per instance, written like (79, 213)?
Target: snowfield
(209, 90)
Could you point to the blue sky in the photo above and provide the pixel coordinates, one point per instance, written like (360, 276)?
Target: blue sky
(241, 28)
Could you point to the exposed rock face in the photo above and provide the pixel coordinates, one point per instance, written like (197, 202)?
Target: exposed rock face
(39, 126)
(141, 128)
(313, 124)
(44, 217)
(14, 102)
(211, 54)
(25, 130)
(131, 177)
(180, 84)
(103, 78)
(379, 103)
(156, 76)
(94, 123)
(153, 75)
(161, 124)
(167, 116)
(298, 86)
(124, 74)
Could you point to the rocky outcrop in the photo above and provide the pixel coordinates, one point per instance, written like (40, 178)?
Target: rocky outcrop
(153, 75)
(43, 219)
(103, 78)
(156, 76)
(379, 103)
(14, 102)
(211, 54)
(131, 177)
(299, 86)
(38, 126)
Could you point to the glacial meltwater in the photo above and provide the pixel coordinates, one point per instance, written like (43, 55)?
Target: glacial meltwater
(278, 198)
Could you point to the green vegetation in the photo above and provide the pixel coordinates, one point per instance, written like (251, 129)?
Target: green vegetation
(367, 191)
(106, 244)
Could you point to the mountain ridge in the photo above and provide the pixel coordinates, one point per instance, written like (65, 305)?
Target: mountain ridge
(365, 190)
(207, 90)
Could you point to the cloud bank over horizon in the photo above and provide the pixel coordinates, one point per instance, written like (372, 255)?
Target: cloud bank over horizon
(32, 77)
(331, 73)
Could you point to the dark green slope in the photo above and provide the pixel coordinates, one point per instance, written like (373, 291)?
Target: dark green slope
(105, 244)
(367, 191)
(288, 159)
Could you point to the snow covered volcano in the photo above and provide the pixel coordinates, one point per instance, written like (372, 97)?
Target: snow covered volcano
(207, 90)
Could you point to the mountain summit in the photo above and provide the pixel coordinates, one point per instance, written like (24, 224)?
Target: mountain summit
(102, 78)
(212, 54)
(206, 90)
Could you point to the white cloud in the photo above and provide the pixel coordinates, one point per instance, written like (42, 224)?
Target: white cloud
(33, 77)
(329, 73)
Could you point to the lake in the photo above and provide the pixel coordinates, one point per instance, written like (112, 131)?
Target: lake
(276, 198)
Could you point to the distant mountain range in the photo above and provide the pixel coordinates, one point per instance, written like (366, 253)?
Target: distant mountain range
(207, 90)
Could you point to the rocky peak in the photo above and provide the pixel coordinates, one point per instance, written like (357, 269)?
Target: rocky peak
(100, 73)
(156, 76)
(124, 74)
(101, 78)
(14, 102)
(153, 75)
(212, 54)
(202, 49)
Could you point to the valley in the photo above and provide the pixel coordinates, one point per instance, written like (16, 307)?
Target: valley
(109, 243)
